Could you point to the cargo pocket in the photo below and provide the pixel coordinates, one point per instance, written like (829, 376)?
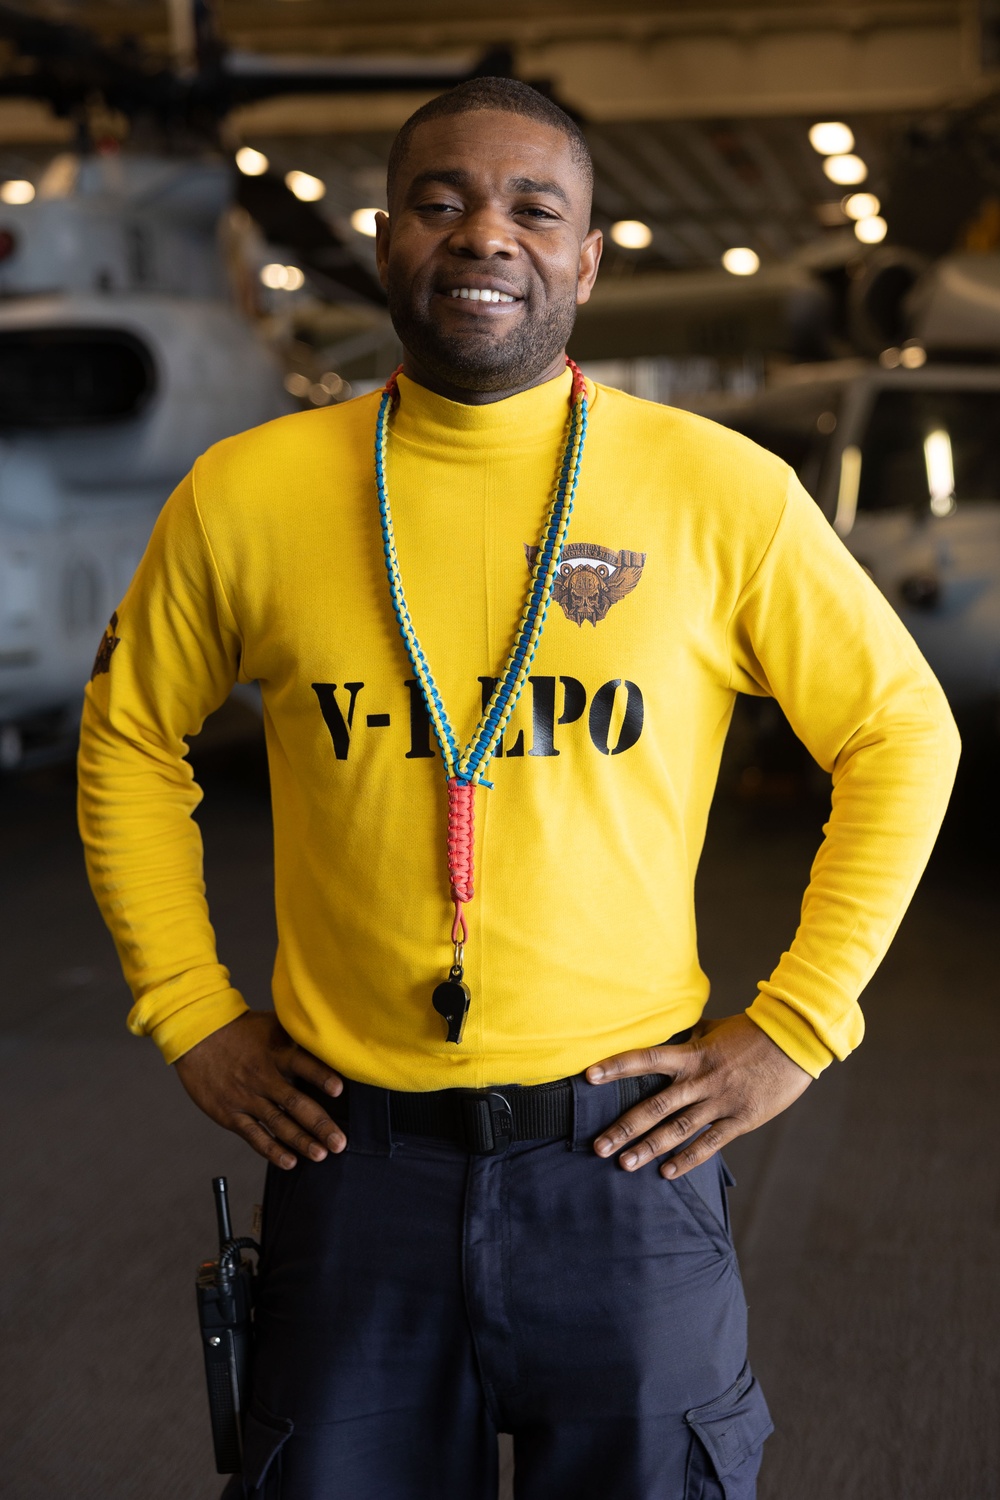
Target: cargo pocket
(263, 1439)
(727, 1438)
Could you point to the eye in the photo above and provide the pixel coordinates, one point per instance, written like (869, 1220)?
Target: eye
(534, 211)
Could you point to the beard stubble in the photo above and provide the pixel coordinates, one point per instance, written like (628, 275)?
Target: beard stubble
(485, 359)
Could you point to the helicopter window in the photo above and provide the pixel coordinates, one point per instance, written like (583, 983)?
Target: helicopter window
(71, 377)
(928, 448)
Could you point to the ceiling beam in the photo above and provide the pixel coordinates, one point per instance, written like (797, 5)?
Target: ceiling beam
(815, 60)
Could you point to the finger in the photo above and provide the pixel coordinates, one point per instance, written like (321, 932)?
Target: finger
(708, 1143)
(672, 1060)
(669, 1136)
(304, 1065)
(265, 1145)
(307, 1113)
(289, 1118)
(642, 1117)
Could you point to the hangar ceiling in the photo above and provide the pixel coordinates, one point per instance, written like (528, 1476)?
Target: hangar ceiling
(644, 59)
(700, 185)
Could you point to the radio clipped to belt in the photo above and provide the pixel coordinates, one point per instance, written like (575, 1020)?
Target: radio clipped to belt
(225, 1293)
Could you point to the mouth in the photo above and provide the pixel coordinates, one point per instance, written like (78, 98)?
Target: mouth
(481, 296)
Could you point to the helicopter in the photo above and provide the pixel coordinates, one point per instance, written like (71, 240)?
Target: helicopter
(121, 358)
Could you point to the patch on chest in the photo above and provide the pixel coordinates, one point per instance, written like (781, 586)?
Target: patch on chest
(592, 578)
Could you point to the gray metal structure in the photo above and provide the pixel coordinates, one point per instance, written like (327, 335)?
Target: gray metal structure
(122, 357)
(905, 463)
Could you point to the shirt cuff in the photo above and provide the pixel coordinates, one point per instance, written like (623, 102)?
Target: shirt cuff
(179, 1032)
(791, 1032)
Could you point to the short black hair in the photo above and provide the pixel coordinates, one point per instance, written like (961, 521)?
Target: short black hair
(507, 94)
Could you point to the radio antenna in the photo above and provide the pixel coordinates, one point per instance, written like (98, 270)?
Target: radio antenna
(220, 1188)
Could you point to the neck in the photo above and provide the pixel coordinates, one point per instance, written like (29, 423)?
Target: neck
(414, 370)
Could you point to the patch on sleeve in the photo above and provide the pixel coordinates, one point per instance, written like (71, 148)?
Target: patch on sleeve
(105, 651)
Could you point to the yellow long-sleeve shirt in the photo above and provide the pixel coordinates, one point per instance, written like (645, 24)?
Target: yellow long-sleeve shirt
(696, 568)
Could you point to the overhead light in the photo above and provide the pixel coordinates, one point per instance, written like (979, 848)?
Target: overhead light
(308, 189)
(912, 356)
(872, 230)
(281, 278)
(631, 234)
(845, 170)
(363, 221)
(940, 471)
(860, 205)
(741, 261)
(250, 162)
(17, 190)
(831, 138)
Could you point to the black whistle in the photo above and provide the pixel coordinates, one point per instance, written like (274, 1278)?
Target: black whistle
(451, 1000)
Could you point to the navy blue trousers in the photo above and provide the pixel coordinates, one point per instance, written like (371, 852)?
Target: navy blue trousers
(416, 1300)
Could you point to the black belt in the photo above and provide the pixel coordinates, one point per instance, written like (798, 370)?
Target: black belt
(484, 1121)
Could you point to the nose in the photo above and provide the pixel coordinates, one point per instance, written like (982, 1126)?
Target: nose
(483, 233)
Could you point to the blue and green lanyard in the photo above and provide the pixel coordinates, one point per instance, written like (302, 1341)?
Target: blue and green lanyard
(465, 768)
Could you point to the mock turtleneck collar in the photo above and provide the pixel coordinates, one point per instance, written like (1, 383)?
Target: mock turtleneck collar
(533, 416)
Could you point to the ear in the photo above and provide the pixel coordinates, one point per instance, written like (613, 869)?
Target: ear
(590, 259)
(382, 231)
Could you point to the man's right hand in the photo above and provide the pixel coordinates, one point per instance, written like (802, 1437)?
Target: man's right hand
(243, 1075)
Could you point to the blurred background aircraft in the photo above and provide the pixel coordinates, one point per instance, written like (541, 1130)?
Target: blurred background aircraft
(164, 283)
(197, 258)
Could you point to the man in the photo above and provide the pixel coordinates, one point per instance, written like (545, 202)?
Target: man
(455, 1241)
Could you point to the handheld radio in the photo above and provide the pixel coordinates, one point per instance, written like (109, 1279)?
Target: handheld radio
(225, 1292)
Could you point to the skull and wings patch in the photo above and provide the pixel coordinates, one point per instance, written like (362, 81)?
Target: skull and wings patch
(591, 578)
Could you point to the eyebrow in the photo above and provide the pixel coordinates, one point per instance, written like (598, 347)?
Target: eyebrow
(455, 177)
(535, 185)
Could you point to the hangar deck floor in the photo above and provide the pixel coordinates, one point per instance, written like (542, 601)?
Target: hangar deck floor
(868, 1218)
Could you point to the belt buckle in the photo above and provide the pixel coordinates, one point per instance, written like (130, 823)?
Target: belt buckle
(487, 1121)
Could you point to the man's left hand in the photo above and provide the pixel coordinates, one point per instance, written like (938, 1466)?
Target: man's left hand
(728, 1079)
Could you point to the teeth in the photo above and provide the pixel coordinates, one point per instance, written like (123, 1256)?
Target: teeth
(476, 294)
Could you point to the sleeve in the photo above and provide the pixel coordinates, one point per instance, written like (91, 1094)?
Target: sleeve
(169, 657)
(813, 631)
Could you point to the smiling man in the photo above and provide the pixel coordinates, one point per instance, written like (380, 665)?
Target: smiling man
(499, 617)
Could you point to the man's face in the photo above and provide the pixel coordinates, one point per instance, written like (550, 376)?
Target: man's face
(486, 252)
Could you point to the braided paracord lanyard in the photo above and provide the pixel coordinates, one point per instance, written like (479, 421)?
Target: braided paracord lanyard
(464, 769)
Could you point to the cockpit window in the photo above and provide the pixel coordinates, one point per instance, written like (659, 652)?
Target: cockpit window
(71, 377)
(930, 449)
